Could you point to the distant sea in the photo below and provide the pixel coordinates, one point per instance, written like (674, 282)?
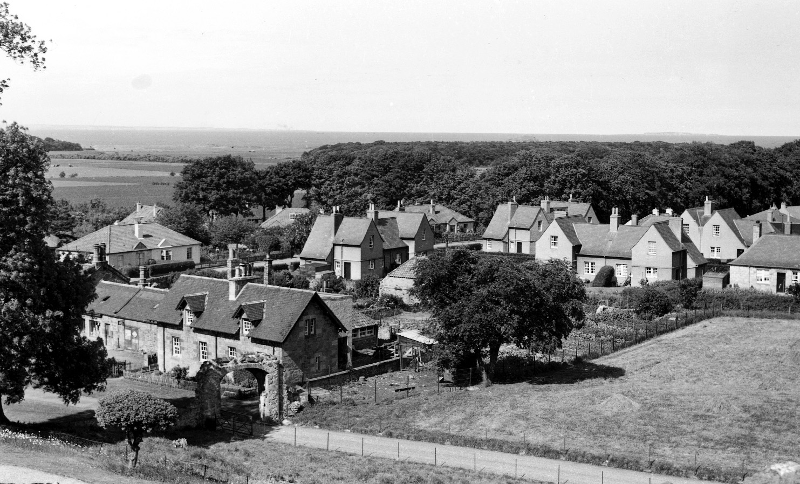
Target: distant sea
(276, 145)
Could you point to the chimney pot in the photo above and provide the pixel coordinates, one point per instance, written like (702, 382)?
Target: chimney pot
(708, 207)
(613, 225)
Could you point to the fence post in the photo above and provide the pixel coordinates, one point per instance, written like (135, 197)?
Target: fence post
(376, 388)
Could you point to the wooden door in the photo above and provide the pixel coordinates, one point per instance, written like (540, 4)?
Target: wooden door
(347, 270)
(781, 286)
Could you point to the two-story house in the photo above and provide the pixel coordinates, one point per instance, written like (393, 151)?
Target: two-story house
(719, 234)
(443, 219)
(415, 231)
(516, 228)
(135, 245)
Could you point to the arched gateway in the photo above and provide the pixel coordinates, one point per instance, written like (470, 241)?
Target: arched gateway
(272, 401)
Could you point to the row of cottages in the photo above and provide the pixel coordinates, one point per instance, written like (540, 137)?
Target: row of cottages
(200, 319)
(517, 228)
(771, 264)
(353, 247)
(135, 244)
(442, 219)
(653, 249)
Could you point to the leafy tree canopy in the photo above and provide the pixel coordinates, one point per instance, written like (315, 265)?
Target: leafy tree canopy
(19, 43)
(41, 300)
(185, 219)
(481, 302)
(223, 185)
(230, 230)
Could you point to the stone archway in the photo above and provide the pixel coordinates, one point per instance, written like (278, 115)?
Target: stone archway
(272, 401)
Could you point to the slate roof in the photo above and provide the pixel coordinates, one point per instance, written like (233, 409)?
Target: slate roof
(668, 236)
(441, 215)
(498, 226)
(320, 240)
(406, 270)
(524, 216)
(252, 311)
(281, 307)
(769, 215)
(698, 215)
(598, 241)
(352, 231)
(567, 225)
(147, 214)
(390, 233)
(195, 302)
(792, 211)
(772, 251)
(692, 252)
(350, 317)
(283, 218)
(121, 238)
(408, 222)
(125, 301)
(573, 209)
(651, 219)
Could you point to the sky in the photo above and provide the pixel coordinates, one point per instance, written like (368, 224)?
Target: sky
(571, 67)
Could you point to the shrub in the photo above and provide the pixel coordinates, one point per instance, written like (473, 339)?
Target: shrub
(391, 301)
(245, 379)
(280, 267)
(606, 277)
(62, 175)
(179, 372)
(73, 175)
(168, 267)
(294, 266)
(744, 299)
(652, 303)
(473, 246)
(172, 173)
(367, 287)
(688, 290)
(332, 283)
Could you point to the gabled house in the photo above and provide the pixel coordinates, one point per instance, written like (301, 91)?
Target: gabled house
(415, 231)
(718, 234)
(771, 264)
(283, 217)
(400, 281)
(353, 247)
(560, 241)
(144, 214)
(443, 219)
(135, 245)
(516, 228)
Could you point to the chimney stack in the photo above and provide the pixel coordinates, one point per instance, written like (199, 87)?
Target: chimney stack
(613, 225)
(372, 213)
(232, 262)
(337, 219)
(783, 205)
(432, 208)
(545, 204)
(669, 212)
(103, 254)
(142, 276)
(155, 209)
(96, 255)
(756, 231)
(634, 220)
(708, 209)
(656, 212)
(676, 225)
(512, 208)
(399, 207)
(268, 270)
(137, 227)
(138, 206)
(787, 224)
(570, 198)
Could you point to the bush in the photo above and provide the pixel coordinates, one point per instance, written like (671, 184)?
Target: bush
(62, 175)
(744, 299)
(652, 303)
(280, 267)
(473, 246)
(244, 379)
(688, 290)
(606, 277)
(73, 175)
(178, 372)
(368, 287)
(332, 283)
(391, 301)
(168, 267)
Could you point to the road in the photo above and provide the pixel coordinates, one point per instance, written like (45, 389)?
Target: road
(523, 466)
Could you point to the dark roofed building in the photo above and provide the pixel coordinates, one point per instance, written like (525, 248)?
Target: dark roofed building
(145, 214)
(284, 217)
(443, 219)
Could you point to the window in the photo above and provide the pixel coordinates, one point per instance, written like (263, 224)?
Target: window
(539, 225)
(188, 253)
(246, 326)
(166, 254)
(188, 317)
(372, 265)
(651, 272)
(622, 270)
(762, 275)
(316, 360)
(363, 332)
(685, 228)
(231, 352)
(423, 234)
(203, 351)
(488, 244)
(95, 328)
(310, 326)
(715, 230)
(795, 277)
(398, 259)
(554, 241)
(292, 216)
(588, 267)
(651, 247)
(176, 346)
(371, 241)
(589, 219)
(715, 252)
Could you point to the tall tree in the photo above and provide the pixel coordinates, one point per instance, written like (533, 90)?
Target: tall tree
(41, 300)
(230, 230)
(19, 43)
(481, 302)
(225, 185)
(185, 219)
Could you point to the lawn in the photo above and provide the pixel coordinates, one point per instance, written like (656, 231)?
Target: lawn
(723, 391)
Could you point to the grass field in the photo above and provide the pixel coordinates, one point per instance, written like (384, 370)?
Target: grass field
(723, 391)
(116, 191)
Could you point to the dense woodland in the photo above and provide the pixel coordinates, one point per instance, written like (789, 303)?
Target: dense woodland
(474, 177)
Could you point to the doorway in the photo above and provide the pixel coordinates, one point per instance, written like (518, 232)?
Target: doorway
(781, 285)
(519, 247)
(347, 270)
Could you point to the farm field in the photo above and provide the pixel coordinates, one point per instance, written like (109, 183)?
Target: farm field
(116, 191)
(723, 391)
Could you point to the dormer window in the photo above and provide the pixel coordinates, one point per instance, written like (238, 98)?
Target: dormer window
(246, 326)
(371, 241)
(188, 317)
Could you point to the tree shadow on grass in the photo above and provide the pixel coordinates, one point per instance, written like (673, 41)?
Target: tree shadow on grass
(562, 373)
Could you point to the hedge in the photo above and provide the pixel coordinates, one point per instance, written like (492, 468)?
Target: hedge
(158, 269)
(606, 277)
(745, 299)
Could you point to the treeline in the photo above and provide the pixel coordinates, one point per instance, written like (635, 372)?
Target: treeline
(118, 156)
(51, 144)
(636, 177)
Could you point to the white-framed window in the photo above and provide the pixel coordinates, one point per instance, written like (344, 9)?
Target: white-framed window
(176, 346)
(715, 230)
(188, 317)
(762, 276)
(651, 272)
(588, 267)
(231, 352)
(203, 351)
(651, 247)
(539, 225)
(554, 241)
(188, 253)
(716, 252)
(622, 270)
(246, 326)
(363, 332)
(685, 228)
(488, 244)
(795, 277)
(166, 254)
(94, 328)
(292, 216)
(371, 241)
(338, 265)
(372, 265)
(311, 324)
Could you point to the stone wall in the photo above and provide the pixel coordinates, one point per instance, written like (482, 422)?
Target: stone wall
(311, 356)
